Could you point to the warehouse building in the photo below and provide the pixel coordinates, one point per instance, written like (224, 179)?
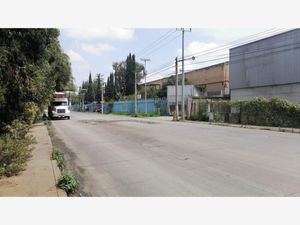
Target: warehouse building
(211, 81)
(268, 67)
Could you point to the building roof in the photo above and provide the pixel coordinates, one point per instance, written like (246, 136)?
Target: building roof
(191, 71)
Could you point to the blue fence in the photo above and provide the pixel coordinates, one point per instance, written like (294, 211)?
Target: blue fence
(153, 106)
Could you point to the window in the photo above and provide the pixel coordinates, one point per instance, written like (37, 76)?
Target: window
(60, 103)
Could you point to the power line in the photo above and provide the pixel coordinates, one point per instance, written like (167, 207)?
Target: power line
(238, 42)
(292, 47)
(164, 69)
(152, 43)
(162, 66)
(253, 51)
(216, 48)
(261, 49)
(167, 42)
(166, 66)
(156, 43)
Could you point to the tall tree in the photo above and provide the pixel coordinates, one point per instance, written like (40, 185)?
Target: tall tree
(98, 89)
(32, 67)
(130, 74)
(90, 95)
(132, 67)
(110, 89)
(119, 75)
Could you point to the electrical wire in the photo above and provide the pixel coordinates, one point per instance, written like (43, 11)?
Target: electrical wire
(241, 41)
(163, 45)
(264, 52)
(238, 41)
(266, 34)
(160, 42)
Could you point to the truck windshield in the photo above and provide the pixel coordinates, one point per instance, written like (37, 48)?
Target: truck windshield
(60, 103)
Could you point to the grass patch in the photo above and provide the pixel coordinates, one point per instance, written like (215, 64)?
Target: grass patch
(122, 113)
(67, 182)
(58, 155)
(48, 125)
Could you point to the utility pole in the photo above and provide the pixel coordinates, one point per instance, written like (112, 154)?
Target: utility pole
(176, 89)
(102, 93)
(135, 92)
(83, 94)
(145, 75)
(183, 77)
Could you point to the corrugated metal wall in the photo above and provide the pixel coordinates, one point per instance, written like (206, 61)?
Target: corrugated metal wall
(267, 62)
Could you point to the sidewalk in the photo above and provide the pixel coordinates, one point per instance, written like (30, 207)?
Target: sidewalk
(278, 129)
(41, 174)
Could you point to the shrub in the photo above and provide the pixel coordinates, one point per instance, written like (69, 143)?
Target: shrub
(17, 129)
(204, 117)
(256, 111)
(30, 112)
(67, 182)
(218, 117)
(58, 155)
(13, 154)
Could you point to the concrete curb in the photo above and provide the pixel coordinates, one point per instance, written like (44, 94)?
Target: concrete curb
(57, 173)
(278, 129)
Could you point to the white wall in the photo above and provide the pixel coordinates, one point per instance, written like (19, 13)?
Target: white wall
(289, 91)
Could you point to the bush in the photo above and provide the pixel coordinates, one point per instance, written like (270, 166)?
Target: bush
(13, 154)
(58, 155)
(30, 112)
(67, 182)
(218, 117)
(204, 117)
(17, 129)
(202, 114)
(256, 111)
(274, 112)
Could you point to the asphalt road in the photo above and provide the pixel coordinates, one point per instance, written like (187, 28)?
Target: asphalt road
(125, 156)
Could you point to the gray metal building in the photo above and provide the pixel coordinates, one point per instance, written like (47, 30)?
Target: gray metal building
(268, 67)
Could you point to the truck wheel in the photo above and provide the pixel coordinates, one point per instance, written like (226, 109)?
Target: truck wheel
(68, 117)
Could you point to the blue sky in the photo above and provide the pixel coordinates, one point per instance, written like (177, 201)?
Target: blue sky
(95, 49)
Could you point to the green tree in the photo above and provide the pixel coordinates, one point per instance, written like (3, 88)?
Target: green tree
(110, 89)
(90, 95)
(119, 75)
(130, 75)
(98, 89)
(132, 67)
(32, 67)
(170, 81)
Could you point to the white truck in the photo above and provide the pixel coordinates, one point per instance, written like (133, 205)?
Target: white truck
(59, 107)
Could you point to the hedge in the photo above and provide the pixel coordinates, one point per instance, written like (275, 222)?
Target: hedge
(256, 111)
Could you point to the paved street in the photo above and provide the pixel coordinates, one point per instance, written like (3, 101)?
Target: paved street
(125, 156)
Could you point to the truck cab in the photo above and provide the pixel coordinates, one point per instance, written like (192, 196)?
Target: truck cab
(59, 107)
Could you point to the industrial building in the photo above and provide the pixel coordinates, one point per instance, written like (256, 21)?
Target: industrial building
(211, 81)
(268, 67)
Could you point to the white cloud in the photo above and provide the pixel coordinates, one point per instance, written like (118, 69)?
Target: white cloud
(94, 33)
(74, 56)
(97, 48)
(196, 47)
